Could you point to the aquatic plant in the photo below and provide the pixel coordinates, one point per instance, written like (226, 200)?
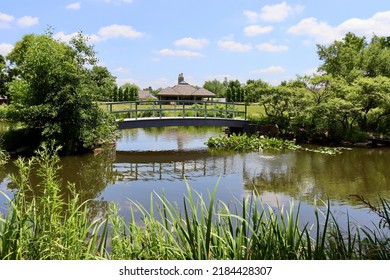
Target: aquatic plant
(255, 143)
(245, 143)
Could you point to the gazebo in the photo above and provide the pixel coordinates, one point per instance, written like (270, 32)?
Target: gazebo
(184, 91)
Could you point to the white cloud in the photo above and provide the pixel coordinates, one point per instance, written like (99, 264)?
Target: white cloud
(234, 46)
(191, 43)
(104, 33)
(255, 30)
(117, 31)
(121, 70)
(74, 6)
(274, 13)
(122, 81)
(279, 12)
(268, 47)
(323, 33)
(27, 21)
(61, 36)
(252, 16)
(5, 20)
(378, 24)
(5, 49)
(270, 70)
(170, 52)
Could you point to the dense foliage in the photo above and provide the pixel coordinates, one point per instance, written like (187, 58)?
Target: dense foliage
(245, 143)
(347, 99)
(52, 94)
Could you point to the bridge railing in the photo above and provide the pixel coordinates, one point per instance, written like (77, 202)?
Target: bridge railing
(177, 108)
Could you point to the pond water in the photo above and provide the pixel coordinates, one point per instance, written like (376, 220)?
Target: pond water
(164, 160)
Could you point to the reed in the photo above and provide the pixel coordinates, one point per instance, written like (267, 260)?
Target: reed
(48, 225)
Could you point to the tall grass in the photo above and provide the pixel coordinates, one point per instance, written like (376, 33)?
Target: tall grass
(48, 225)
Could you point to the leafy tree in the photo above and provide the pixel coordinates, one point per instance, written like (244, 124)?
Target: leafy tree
(343, 58)
(254, 89)
(281, 104)
(102, 81)
(115, 94)
(353, 57)
(132, 91)
(235, 92)
(120, 94)
(376, 57)
(216, 87)
(3, 77)
(52, 95)
(372, 96)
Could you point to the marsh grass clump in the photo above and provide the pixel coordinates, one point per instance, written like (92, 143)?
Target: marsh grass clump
(48, 225)
(247, 230)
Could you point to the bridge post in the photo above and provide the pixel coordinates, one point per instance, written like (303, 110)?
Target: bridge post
(226, 107)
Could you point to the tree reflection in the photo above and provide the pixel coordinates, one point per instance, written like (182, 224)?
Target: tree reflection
(90, 174)
(308, 175)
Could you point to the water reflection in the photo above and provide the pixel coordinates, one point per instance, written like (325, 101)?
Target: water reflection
(304, 175)
(163, 160)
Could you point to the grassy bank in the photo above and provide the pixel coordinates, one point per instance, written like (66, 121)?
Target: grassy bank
(50, 226)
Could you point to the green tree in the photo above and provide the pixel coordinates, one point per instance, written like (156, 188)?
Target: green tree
(3, 77)
(115, 94)
(52, 95)
(102, 81)
(120, 94)
(132, 91)
(376, 57)
(216, 87)
(235, 92)
(372, 97)
(343, 58)
(254, 89)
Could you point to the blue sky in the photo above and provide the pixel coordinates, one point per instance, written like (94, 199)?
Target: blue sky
(149, 42)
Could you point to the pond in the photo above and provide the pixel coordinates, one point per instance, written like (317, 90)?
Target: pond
(164, 160)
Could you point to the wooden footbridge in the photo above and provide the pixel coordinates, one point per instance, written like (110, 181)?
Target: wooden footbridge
(161, 113)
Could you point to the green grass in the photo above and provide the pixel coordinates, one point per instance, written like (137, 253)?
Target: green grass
(48, 225)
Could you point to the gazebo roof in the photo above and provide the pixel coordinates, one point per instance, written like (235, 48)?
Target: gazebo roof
(145, 94)
(185, 90)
